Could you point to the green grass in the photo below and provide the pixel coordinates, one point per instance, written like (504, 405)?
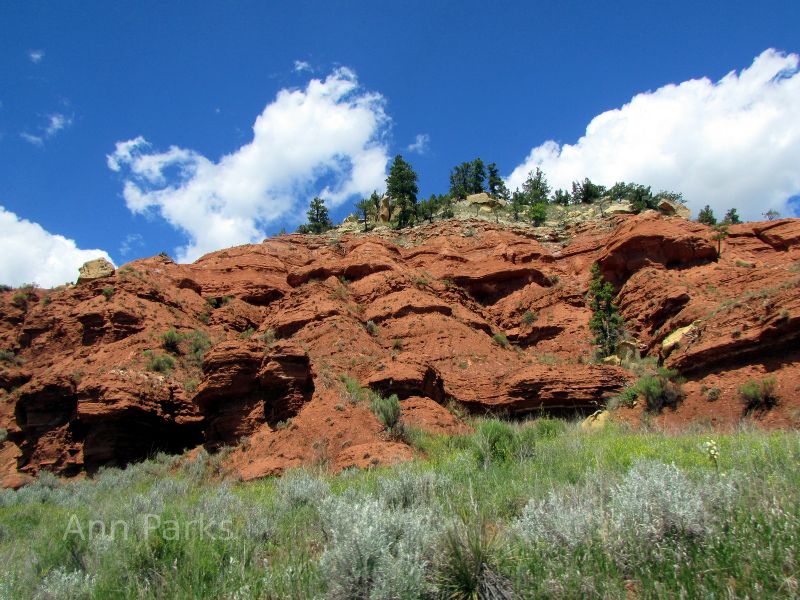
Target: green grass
(540, 508)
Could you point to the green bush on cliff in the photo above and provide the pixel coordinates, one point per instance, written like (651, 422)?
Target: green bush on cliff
(171, 341)
(661, 390)
(758, 395)
(159, 363)
(386, 409)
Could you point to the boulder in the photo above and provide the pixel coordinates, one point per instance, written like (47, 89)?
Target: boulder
(620, 208)
(484, 200)
(384, 212)
(678, 337)
(627, 351)
(95, 269)
(596, 421)
(674, 209)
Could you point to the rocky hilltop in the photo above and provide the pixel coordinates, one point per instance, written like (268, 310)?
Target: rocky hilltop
(262, 348)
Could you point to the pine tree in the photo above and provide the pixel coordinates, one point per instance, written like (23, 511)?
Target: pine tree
(536, 189)
(497, 186)
(640, 197)
(731, 217)
(376, 202)
(401, 186)
(318, 219)
(586, 192)
(772, 214)
(427, 208)
(720, 233)
(445, 202)
(606, 322)
(706, 216)
(561, 197)
(517, 204)
(671, 196)
(459, 180)
(364, 208)
(477, 177)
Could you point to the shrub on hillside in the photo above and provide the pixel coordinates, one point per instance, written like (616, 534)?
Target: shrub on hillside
(606, 323)
(353, 390)
(199, 343)
(386, 409)
(408, 488)
(464, 567)
(20, 300)
(60, 583)
(501, 339)
(549, 428)
(655, 501)
(758, 395)
(495, 442)
(626, 398)
(3, 435)
(9, 357)
(565, 518)
(373, 552)
(159, 363)
(171, 341)
(661, 390)
(299, 488)
(372, 328)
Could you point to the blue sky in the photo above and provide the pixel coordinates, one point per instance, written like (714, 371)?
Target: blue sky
(495, 80)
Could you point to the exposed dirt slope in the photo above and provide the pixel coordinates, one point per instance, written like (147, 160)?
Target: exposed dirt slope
(267, 330)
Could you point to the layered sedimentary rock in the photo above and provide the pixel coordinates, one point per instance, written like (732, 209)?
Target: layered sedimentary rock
(250, 347)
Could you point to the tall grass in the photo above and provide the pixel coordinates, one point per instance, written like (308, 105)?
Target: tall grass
(537, 510)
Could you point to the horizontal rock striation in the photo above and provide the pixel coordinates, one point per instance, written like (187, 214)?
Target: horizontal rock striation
(268, 348)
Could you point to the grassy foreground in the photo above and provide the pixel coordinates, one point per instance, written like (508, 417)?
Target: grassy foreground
(534, 510)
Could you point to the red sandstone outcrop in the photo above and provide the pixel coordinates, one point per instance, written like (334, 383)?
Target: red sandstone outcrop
(492, 318)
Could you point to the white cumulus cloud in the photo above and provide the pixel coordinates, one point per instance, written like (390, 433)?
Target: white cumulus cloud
(30, 254)
(302, 65)
(325, 139)
(36, 56)
(421, 143)
(730, 143)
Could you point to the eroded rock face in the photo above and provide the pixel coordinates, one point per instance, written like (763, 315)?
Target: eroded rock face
(247, 384)
(264, 337)
(647, 240)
